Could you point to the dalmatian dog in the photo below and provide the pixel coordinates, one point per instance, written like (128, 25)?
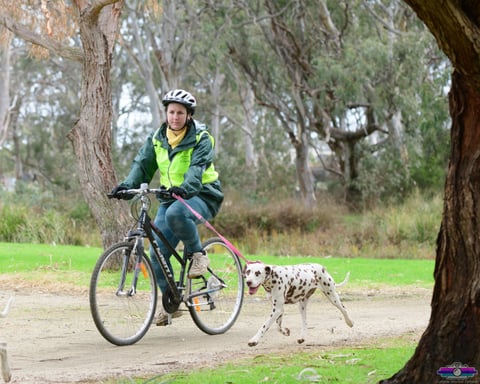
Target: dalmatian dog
(3, 349)
(289, 285)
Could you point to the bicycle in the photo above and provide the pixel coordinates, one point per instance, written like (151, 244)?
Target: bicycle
(123, 287)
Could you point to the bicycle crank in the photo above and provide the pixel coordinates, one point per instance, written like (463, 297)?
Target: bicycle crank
(170, 302)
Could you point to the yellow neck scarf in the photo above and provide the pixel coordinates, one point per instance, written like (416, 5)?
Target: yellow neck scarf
(175, 137)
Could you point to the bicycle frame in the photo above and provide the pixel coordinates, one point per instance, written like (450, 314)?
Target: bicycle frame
(146, 229)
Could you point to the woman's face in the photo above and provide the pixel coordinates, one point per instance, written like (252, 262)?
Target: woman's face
(177, 116)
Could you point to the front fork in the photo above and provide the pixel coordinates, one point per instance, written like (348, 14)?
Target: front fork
(138, 250)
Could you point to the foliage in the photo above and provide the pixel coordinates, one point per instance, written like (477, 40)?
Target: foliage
(47, 105)
(33, 215)
(273, 173)
(360, 96)
(272, 227)
(394, 69)
(406, 229)
(382, 177)
(417, 220)
(13, 218)
(239, 218)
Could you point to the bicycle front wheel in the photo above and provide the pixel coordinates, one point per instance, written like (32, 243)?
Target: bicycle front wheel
(121, 310)
(215, 299)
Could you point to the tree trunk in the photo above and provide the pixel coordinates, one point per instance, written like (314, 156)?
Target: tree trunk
(91, 135)
(304, 172)
(251, 158)
(454, 328)
(353, 196)
(5, 89)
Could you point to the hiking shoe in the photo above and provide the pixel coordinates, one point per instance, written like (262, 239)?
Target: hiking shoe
(200, 263)
(161, 319)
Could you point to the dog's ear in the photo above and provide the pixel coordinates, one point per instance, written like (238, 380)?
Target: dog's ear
(268, 269)
(243, 270)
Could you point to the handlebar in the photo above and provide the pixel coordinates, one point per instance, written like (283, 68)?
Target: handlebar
(144, 190)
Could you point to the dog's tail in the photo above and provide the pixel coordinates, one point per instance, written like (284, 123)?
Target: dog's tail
(344, 281)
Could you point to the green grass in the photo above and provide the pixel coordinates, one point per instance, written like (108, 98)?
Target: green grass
(31, 260)
(67, 264)
(21, 257)
(352, 365)
(357, 365)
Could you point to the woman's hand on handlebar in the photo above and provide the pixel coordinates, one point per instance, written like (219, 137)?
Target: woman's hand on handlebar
(179, 191)
(120, 192)
(171, 192)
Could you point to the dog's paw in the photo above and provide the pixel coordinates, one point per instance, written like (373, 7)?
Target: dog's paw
(285, 331)
(300, 341)
(252, 343)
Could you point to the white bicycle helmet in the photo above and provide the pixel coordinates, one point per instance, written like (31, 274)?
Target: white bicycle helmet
(182, 97)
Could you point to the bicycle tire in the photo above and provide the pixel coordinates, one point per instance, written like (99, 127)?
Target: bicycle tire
(215, 313)
(121, 318)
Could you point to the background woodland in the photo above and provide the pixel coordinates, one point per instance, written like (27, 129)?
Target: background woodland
(320, 111)
(304, 99)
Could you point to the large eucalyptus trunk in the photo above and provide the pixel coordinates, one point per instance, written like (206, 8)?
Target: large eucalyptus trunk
(91, 135)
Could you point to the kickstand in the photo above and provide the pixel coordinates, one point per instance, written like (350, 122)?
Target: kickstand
(169, 318)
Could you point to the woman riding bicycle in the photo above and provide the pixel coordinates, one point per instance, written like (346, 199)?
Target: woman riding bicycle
(183, 151)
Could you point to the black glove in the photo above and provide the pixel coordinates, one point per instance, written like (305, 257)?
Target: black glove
(115, 193)
(179, 191)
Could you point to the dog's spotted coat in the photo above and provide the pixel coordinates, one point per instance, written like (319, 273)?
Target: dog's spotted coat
(289, 285)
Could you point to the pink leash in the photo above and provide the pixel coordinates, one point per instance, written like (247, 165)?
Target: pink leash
(210, 226)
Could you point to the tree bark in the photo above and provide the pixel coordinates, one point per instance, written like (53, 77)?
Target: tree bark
(304, 172)
(454, 328)
(91, 135)
(5, 89)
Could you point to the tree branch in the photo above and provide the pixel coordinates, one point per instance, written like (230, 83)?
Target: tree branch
(71, 53)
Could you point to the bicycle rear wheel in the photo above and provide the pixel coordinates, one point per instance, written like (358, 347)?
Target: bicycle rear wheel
(216, 299)
(121, 315)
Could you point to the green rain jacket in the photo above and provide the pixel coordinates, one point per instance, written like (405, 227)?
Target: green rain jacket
(200, 177)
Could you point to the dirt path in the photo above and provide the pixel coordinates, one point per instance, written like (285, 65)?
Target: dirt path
(51, 337)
